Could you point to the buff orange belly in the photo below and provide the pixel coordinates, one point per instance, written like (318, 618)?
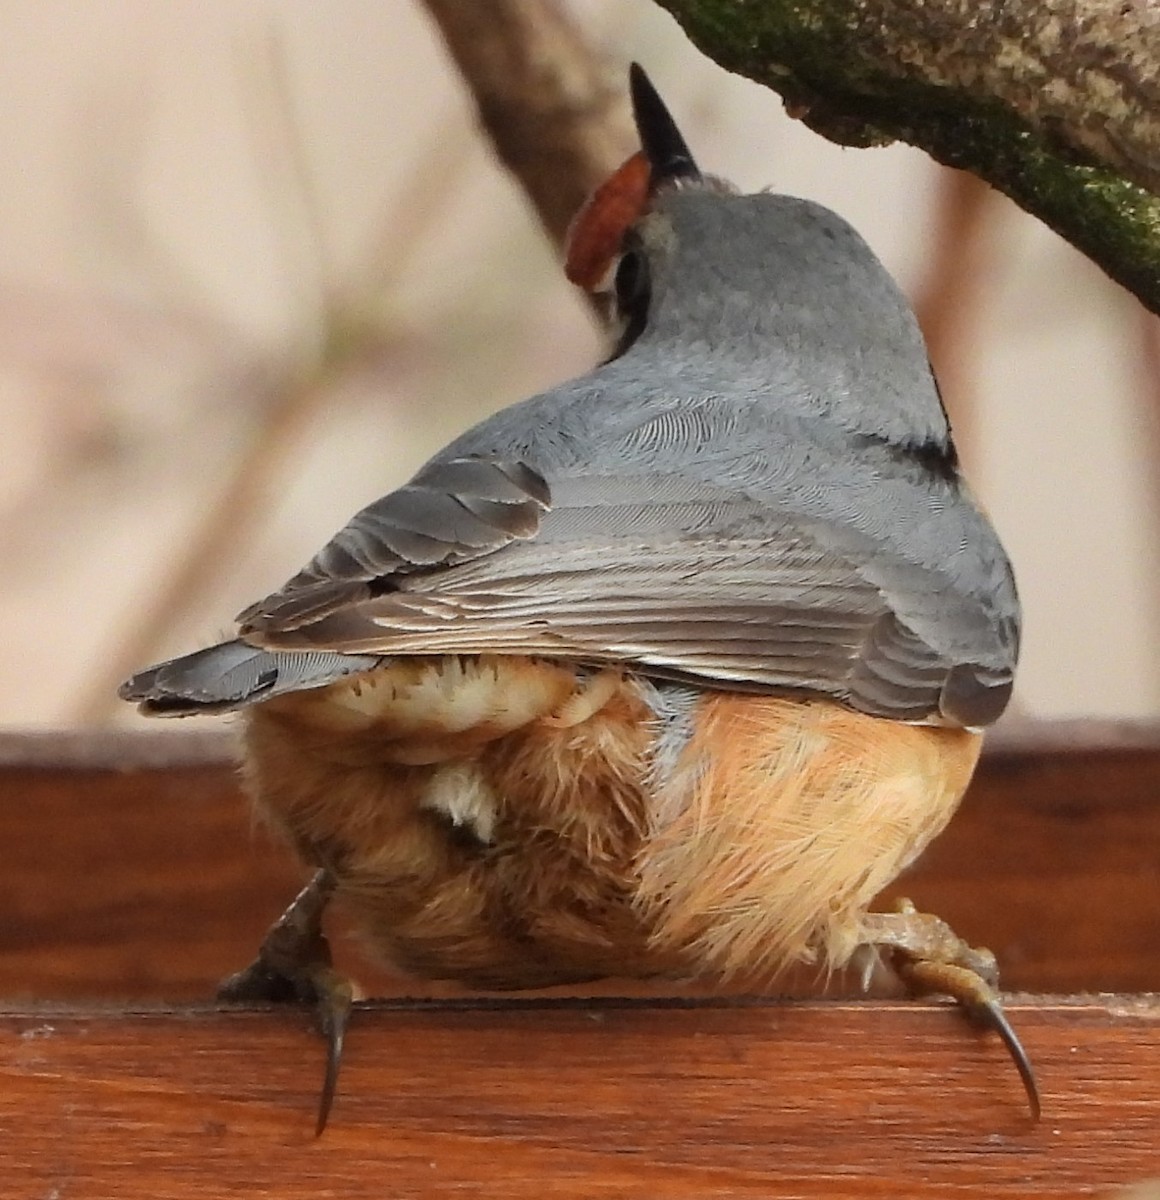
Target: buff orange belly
(514, 823)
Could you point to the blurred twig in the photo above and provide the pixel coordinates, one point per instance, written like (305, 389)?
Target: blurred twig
(950, 296)
(557, 119)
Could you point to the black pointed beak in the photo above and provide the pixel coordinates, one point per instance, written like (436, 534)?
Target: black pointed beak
(668, 156)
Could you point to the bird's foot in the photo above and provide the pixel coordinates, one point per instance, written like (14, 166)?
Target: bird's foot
(931, 959)
(294, 966)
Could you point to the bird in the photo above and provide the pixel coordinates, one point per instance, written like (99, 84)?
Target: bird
(663, 673)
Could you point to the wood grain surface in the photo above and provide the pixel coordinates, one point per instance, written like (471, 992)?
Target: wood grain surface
(604, 1099)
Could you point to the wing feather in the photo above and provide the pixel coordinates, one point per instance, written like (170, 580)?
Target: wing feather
(451, 512)
(683, 576)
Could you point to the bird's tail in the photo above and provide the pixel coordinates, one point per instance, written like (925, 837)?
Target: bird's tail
(231, 675)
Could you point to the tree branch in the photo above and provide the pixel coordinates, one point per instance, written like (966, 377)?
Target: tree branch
(557, 118)
(1054, 102)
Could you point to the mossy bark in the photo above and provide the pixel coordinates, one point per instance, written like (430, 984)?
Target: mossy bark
(1054, 102)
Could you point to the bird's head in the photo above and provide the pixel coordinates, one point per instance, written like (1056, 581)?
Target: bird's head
(764, 291)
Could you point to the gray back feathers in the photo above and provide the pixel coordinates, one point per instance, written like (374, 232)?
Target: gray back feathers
(759, 493)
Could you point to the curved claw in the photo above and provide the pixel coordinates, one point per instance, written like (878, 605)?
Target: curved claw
(979, 1000)
(295, 964)
(335, 998)
(988, 1011)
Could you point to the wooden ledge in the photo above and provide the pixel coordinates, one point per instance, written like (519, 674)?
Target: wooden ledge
(133, 869)
(595, 1098)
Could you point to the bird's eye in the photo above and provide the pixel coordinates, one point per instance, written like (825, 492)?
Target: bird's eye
(633, 290)
(631, 281)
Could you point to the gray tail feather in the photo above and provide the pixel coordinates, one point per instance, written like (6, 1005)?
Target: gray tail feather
(231, 675)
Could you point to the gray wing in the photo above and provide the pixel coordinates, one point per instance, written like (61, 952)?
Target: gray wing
(231, 675)
(452, 511)
(673, 572)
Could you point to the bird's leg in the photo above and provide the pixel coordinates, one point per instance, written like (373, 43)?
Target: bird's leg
(929, 958)
(294, 965)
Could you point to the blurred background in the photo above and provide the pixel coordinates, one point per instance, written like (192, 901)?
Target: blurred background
(257, 262)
